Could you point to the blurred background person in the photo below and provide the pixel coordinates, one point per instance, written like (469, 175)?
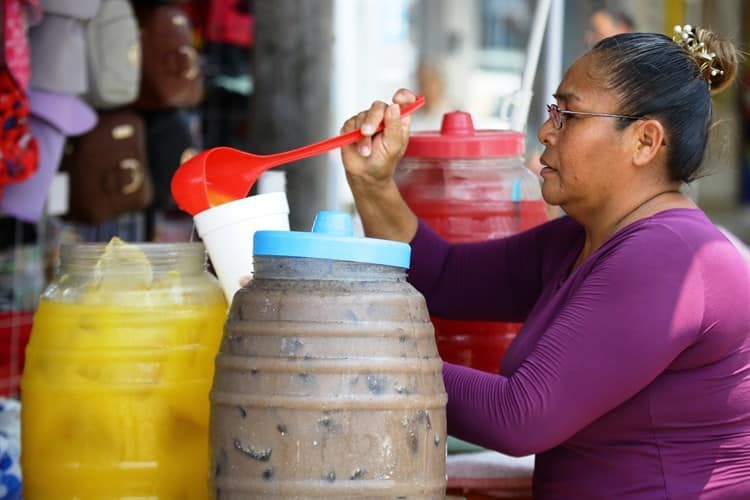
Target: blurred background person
(607, 20)
(431, 84)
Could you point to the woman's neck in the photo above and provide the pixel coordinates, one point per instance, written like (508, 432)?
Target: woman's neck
(601, 228)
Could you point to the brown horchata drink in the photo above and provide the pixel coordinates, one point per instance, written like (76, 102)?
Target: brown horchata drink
(328, 385)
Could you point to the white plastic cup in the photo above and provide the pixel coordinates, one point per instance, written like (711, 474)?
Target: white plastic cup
(227, 232)
(272, 181)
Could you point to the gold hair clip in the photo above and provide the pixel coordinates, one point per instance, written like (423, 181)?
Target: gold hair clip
(686, 37)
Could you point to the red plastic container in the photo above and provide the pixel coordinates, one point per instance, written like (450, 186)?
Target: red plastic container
(471, 185)
(15, 329)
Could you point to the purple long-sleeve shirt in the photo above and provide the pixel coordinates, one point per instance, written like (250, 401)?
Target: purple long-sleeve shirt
(631, 375)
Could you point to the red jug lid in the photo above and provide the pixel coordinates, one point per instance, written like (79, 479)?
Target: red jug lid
(457, 138)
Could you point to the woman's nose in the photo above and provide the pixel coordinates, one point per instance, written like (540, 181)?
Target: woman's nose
(546, 133)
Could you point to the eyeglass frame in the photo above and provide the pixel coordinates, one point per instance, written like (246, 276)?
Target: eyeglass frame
(561, 112)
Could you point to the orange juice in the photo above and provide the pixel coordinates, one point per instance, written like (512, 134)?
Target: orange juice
(115, 394)
(216, 198)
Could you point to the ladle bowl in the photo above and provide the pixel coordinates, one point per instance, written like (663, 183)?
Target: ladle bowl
(220, 175)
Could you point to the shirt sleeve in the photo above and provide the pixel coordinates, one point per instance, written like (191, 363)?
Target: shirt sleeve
(496, 280)
(635, 309)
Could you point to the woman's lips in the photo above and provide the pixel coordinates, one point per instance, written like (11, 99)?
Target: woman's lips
(546, 170)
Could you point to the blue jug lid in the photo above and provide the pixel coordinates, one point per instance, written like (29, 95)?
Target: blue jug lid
(332, 237)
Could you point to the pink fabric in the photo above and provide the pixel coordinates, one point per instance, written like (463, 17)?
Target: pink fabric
(17, 20)
(227, 24)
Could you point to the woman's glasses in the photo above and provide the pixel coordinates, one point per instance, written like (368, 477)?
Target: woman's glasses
(556, 115)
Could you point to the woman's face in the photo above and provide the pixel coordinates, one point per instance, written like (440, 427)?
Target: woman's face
(583, 162)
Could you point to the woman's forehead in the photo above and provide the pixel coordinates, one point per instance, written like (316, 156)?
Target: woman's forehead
(580, 83)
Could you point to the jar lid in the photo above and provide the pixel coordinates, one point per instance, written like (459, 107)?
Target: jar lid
(332, 237)
(457, 138)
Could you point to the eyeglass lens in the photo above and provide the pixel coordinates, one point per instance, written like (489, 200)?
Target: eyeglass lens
(554, 115)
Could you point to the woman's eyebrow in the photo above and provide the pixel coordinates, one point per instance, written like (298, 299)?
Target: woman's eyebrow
(566, 96)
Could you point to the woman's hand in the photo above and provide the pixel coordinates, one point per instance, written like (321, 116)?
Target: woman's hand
(370, 165)
(374, 158)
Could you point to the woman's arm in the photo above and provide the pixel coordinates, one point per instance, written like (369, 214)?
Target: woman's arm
(635, 311)
(370, 165)
(496, 280)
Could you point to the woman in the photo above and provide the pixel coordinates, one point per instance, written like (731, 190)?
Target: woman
(631, 375)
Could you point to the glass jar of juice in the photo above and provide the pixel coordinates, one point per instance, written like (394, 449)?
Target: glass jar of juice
(118, 370)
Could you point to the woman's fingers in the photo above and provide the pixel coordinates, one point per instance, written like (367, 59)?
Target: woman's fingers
(367, 122)
(373, 118)
(349, 125)
(364, 146)
(404, 96)
(396, 132)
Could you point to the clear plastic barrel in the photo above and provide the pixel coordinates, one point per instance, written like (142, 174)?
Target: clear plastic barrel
(328, 385)
(467, 200)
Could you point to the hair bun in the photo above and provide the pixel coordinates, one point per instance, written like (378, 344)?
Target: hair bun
(716, 58)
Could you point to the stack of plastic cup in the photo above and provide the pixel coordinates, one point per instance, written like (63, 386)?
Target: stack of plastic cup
(227, 232)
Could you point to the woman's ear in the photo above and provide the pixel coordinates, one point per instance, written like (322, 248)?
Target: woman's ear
(649, 142)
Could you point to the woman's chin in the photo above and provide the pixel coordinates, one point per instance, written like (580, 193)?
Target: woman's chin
(550, 193)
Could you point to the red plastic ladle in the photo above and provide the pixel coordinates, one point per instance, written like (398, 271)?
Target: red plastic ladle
(222, 174)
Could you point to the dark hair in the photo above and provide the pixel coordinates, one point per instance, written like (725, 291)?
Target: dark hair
(656, 77)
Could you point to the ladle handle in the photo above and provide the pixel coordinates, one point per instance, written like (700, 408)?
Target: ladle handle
(335, 142)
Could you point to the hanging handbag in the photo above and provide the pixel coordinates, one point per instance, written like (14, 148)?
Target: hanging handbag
(113, 53)
(58, 46)
(171, 73)
(19, 152)
(107, 168)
